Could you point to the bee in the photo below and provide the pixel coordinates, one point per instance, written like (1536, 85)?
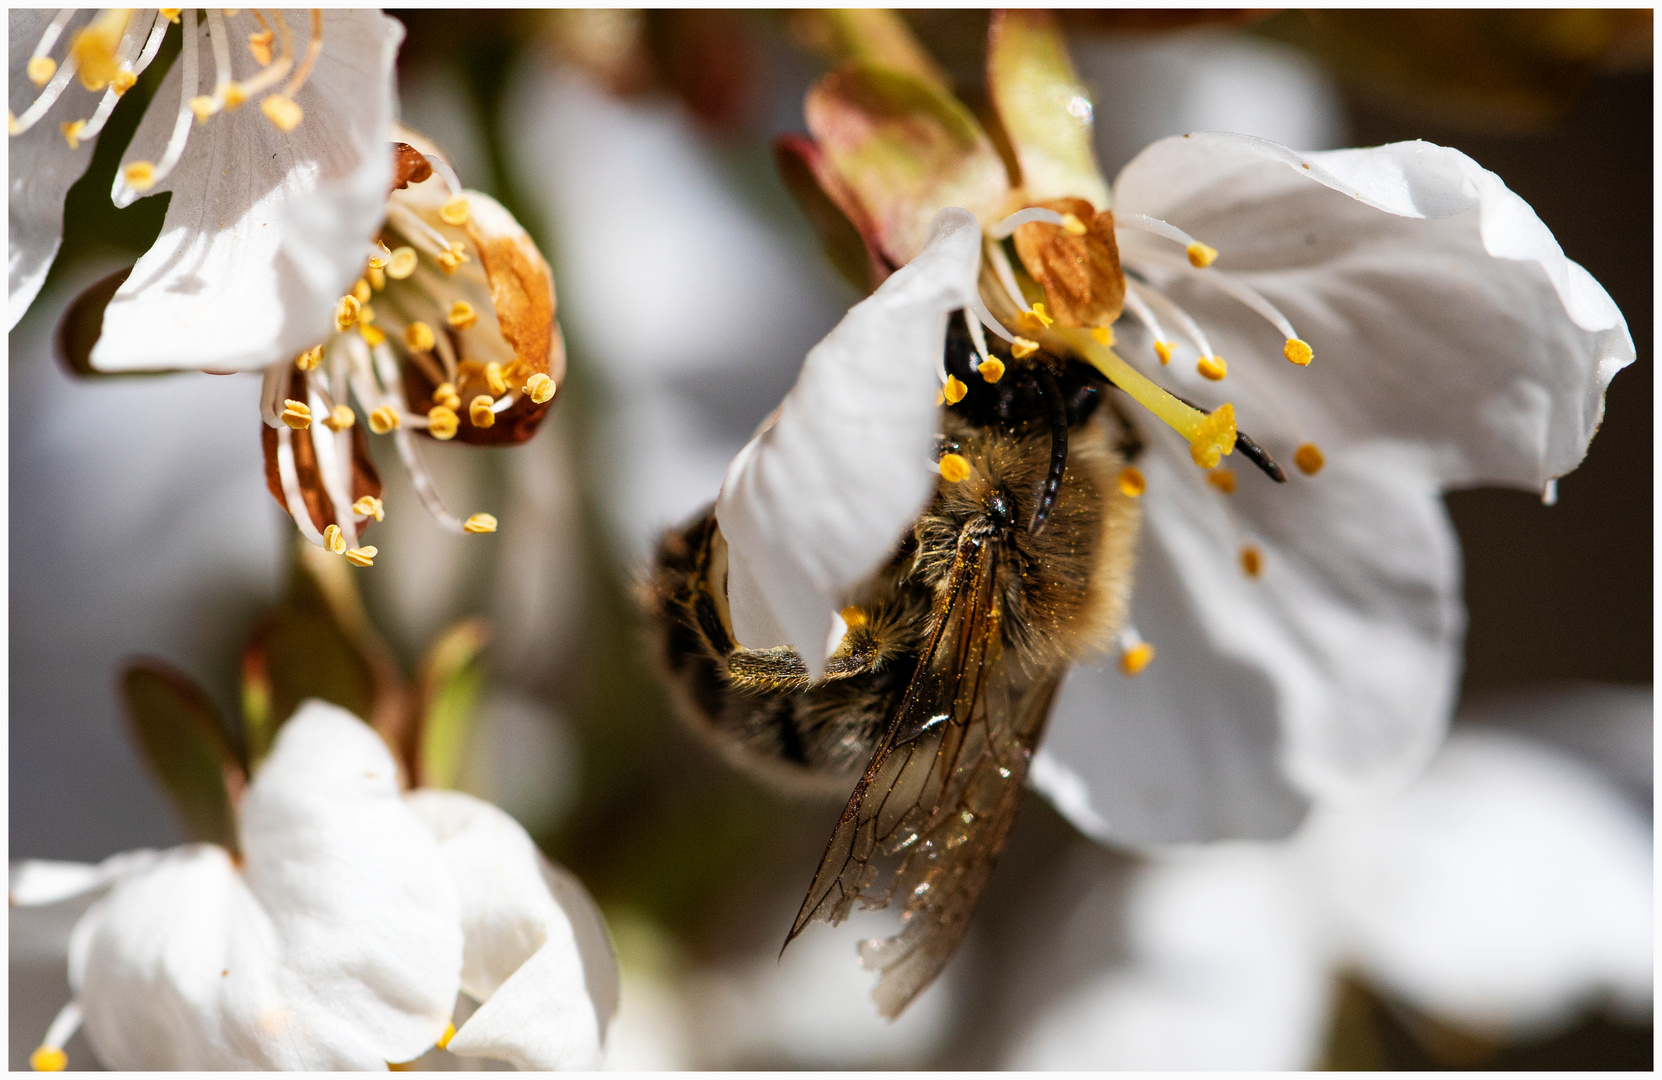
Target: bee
(933, 703)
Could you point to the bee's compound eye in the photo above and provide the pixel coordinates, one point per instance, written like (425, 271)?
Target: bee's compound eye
(1001, 508)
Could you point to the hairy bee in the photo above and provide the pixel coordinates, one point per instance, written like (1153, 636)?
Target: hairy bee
(933, 703)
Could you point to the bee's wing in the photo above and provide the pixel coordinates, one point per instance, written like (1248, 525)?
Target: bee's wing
(931, 812)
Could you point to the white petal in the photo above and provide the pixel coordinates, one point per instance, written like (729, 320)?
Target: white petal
(335, 945)
(265, 230)
(1507, 887)
(42, 166)
(537, 955)
(817, 501)
(43, 881)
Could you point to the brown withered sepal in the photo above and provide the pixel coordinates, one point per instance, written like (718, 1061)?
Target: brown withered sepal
(409, 166)
(365, 480)
(1081, 275)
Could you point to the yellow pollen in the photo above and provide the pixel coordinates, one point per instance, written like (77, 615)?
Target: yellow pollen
(954, 390)
(1022, 348)
(853, 616)
(1308, 457)
(1298, 351)
(442, 422)
(362, 556)
(236, 94)
(539, 388)
(140, 175)
(402, 263)
(1040, 314)
(48, 1059)
(340, 418)
(1102, 335)
(1212, 367)
(452, 259)
(260, 46)
(1073, 225)
(494, 379)
(445, 394)
(954, 468)
(1213, 436)
(310, 359)
(378, 261)
(346, 312)
(479, 411)
(454, 212)
(419, 337)
(1223, 480)
(203, 106)
(41, 69)
(171, 14)
(1136, 658)
(283, 113)
(377, 276)
(361, 291)
(333, 540)
(372, 334)
(480, 523)
(95, 48)
(366, 314)
(296, 414)
(72, 132)
(1162, 349)
(1252, 561)
(124, 81)
(1201, 255)
(462, 315)
(1132, 483)
(370, 506)
(991, 369)
(449, 1033)
(383, 420)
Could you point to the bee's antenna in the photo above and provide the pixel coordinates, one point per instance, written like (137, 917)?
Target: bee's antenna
(1058, 413)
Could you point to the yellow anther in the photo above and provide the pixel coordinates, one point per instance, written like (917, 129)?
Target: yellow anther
(454, 212)
(1132, 483)
(11, 123)
(362, 556)
(379, 260)
(310, 359)
(991, 369)
(402, 263)
(1212, 367)
(48, 1059)
(236, 95)
(1223, 480)
(480, 523)
(370, 506)
(346, 311)
(372, 334)
(361, 291)
(445, 394)
(539, 388)
(383, 420)
(479, 411)
(1308, 457)
(954, 390)
(853, 617)
(451, 259)
(95, 48)
(340, 418)
(1252, 561)
(124, 81)
(1040, 314)
(283, 113)
(955, 468)
(171, 14)
(449, 1033)
(260, 45)
(1136, 658)
(1022, 348)
(72, 132)
(1102, 335)
(1201, 255)
(940, 399)
(377, 276)
(1073, 225)
(333, 540)
(442, 422)
(366, 314)
(462, 315)
(140, 175)
(1213, 436)
(494, 379)
(296, 414)
(1162, 349)
(41, 69)
(1298, 351)
(419, 337)
(204, 107)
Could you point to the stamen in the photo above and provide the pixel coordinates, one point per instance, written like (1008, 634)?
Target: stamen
(1005, 275)
(96, 48)
(377, 276)
(283, 113)
(985, 318)
(1200, 255)
(1190, 328)
(43, 48)
(494, 379)
(340, 418)
(1308, 457)
(49, 1056)
(289, 476)
(1212, 367)
(1009, 225)
(451, 259)
(296, 414)
(973, 325)
(334, 464)
(454, 212)
(369, 506)
(141, 176)
(1145, 315)
(1135, 653)
(1298, 351)
(445, 395)
(1038, 318)
(480, 523)
(1131, 482)
(954, 468)
(479, 411)
(991, 370)
(423, 484)
(1102, 335)
(1252, 561)
(442, 422)
(314, 48)
(220, 44)
(539, 388)
(1222, 479)
(379, 256)
(72, 132)
(362, 556)
(41, 69)
(346, 311)
(308, 360)
(418, 336)
(402, 263)
(462, 315)
(954, 390)
(421, 234)
(48, 97)
(383, 420)
(333, 540)
(1021, 348)
(125, 79)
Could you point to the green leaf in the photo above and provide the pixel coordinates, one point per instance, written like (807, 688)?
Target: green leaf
(876, 36)
(841, 224)
(182, 737)
(1043, 107)
(447, 691)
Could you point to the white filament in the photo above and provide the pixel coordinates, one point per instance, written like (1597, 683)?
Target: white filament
(152, 45)
(1146, 224)
(1024, 217)
(290, 477)
(187, 90)
(1144, 314)
(425, 491)
(48, 97)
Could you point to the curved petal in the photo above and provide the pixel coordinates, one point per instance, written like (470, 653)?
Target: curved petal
(42, 166)
(818, 500)
(537, 955)
(1440, 308)
(34, 882)
(1506, 888)
(336, 944)
(265, 230)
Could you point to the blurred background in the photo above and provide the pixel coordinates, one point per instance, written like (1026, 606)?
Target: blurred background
(635, 148)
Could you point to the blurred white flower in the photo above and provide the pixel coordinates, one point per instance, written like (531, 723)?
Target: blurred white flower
(339, 933)
(1503, 892)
